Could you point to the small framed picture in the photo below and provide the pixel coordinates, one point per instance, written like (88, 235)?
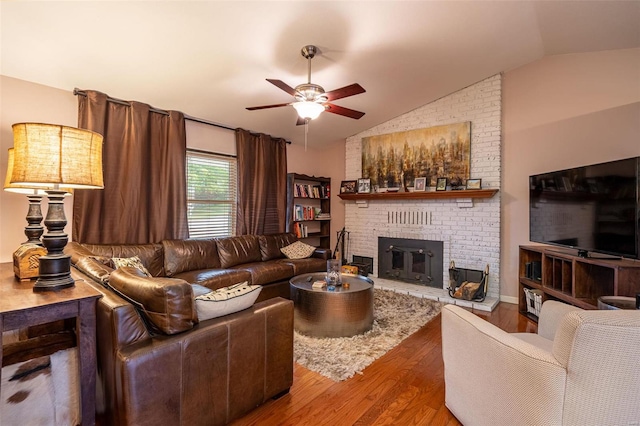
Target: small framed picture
(441, 184)
(348, 187)
(420, 184)
(474, 183)
(364, 186)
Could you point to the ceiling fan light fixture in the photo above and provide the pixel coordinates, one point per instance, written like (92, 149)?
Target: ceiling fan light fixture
(310, 110)
(311, 99)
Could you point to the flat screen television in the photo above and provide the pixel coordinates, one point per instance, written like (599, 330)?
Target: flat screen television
(593, 208)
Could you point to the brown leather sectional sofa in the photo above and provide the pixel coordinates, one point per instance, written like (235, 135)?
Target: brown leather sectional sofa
(157, 364)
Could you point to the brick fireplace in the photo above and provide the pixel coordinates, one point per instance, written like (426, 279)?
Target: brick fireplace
(468, 229)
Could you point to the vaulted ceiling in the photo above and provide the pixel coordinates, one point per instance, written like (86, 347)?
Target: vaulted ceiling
(210, 59)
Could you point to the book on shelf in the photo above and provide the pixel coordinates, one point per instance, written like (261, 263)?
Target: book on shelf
(301, 230)
(304, 212)
(303, 190)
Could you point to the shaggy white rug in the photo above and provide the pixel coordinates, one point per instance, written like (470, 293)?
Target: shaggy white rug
(396, 316)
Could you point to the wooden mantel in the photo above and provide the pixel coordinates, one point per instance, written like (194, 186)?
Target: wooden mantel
(429, 195)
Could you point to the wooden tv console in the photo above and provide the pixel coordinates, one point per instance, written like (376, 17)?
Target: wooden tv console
(575, 280)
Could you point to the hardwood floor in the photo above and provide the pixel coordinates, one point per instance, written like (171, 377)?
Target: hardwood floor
(404, 387)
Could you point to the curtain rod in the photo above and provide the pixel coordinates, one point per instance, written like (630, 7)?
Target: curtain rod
(79, 92)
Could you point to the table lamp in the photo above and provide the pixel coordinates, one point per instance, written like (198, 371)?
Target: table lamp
(25, 258)
(34, 229)
(54, 157)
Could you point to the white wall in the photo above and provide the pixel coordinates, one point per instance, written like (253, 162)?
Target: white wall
(24, 101)
(560, 112)
(470, 230)
(326, 162)
(205, 137)
(21, 101)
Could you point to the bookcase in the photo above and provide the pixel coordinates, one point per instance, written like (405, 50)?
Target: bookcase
(579, 281)
(309, 208)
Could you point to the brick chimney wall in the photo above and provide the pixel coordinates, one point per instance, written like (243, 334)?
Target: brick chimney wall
(469, 228)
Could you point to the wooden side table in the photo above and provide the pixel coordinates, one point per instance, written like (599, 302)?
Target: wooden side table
(21, 307)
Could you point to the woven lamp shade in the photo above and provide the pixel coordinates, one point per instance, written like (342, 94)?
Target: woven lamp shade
(18, 189)
(25, 189)
(49, 154)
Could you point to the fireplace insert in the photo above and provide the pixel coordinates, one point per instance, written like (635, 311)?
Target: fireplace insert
(410, 260)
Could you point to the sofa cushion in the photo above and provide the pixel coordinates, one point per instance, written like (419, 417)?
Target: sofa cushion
(189, 255)
(306, 266)
(237, 250)
(226, 300)
(298, 250)
(214, 279)
(166, 303)
(131, 262)
(270, 245)
(267, 272)
(151, 255)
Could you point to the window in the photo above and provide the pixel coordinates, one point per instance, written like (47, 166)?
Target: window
(211, 194)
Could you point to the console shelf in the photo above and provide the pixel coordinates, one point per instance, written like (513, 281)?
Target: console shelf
(575, 280)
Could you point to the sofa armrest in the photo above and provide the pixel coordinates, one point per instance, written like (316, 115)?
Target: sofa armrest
(167, 303)
(212, 374)
(527, 383)
(551, 315)
(322, 253)
(76, 251)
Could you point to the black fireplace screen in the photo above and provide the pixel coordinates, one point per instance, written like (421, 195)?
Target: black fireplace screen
(409, 260)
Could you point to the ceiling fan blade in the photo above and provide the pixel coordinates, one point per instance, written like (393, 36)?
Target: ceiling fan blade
(266, 106)
(343, 92)
(282, 85)
(351, 113)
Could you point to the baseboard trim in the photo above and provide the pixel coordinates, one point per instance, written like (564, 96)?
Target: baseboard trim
(509, 299)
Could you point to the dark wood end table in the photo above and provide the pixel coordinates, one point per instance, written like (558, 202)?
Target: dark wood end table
(21, 307)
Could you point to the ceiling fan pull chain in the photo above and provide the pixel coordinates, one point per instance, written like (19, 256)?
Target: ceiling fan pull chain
(306, 132)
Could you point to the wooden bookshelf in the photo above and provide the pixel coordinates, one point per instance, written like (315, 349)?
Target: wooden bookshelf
(319, 229)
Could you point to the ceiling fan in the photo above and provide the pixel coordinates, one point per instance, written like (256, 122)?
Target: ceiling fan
(311, 99)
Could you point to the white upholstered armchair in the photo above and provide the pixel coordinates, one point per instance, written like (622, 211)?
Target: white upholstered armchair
(582, 368)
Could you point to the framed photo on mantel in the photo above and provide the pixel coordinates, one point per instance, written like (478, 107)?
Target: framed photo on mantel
(364, 186)
(474, 183)
(348, 187)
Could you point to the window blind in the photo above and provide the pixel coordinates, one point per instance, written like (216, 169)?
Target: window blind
(211, 194)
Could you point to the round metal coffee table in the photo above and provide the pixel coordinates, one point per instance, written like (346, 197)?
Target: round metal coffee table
(343, 312)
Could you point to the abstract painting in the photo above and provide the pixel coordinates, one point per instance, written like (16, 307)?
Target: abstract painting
(396, 159)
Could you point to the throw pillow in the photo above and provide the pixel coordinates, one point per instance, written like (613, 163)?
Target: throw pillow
(226, 300)
(133, 262)
(298, 250)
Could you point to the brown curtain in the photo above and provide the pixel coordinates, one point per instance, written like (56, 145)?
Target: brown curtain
(262, 183)
(144, 161)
